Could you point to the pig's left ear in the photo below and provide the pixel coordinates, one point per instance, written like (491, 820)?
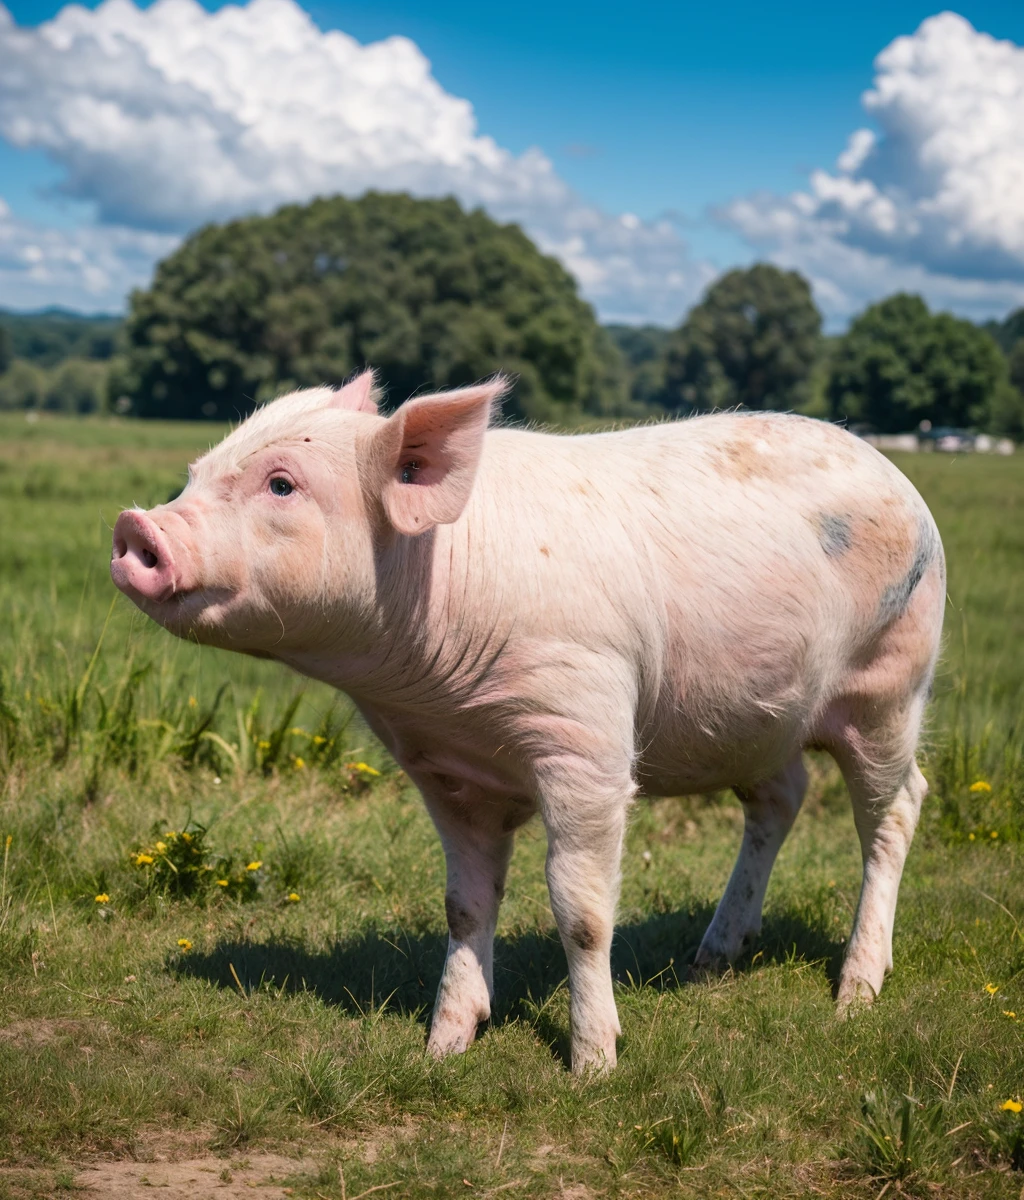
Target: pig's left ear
(427, 453)
(358, 395)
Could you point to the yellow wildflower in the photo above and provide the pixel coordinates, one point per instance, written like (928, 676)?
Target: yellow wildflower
(991, 988)
(994, 833)
(970, 837)
(262, 745)
(318, 740)
(186, 837)
(255, 864)
(7, 844)
(1007, 1013)
(185, 944)
(299, 763)
(222, 883)
(142, 859)
(297, 732)
(170, 835)
(192, 702)
(294, 897)
(161, 847)
(1013, 1106)
(103, 898)
(980, 786)
(364, 767)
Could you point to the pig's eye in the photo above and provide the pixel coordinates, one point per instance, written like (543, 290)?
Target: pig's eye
(281, 487)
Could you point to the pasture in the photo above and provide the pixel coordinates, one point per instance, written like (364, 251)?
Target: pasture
(222, 919)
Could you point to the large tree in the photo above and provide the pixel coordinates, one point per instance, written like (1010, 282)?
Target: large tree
(900, 364)
(752, 341)
(1007, 332)
(428, 294)
(6, 352)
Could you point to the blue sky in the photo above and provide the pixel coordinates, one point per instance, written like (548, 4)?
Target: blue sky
(687, 104)
(676, 111)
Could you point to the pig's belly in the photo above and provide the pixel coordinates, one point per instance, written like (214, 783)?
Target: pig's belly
(679, 758)
(744, 745)
(690, 778)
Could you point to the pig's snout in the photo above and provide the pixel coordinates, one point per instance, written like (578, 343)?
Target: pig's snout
(141, 564)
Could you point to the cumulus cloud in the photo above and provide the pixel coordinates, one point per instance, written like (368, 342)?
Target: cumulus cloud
(167, 117)
(90, 268)
(931, 199)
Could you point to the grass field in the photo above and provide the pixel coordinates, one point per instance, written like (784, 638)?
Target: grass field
(248, 1009)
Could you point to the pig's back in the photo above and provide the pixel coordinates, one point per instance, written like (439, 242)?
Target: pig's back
(735, 500)
(746, 559)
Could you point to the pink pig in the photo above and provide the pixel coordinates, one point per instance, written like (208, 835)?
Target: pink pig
(541, 623)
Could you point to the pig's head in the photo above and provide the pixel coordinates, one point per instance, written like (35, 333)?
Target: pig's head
(275, 539)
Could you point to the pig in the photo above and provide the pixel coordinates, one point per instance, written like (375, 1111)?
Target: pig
(556, 624)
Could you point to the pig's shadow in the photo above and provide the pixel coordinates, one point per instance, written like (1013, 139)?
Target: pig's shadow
(401, 971)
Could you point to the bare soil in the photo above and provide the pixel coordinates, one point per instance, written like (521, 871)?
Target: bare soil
(190, 1178)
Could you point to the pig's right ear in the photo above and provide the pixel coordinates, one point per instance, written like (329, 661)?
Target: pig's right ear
(426, 455)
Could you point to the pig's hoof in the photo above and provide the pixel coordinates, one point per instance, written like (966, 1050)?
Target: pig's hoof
(453, 1035)
(595, 1056)
(709, 964)
(706, 971)
(854, 996)
(592, 1064)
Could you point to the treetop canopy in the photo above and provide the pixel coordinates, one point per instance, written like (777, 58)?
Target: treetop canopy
(428, 294)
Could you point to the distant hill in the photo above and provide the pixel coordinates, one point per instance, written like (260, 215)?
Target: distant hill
(52, 335)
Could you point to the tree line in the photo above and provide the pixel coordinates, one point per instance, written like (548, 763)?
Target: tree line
(433, 296)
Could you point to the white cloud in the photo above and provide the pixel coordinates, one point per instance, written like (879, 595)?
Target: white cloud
(91, 268)
(167, 117)
(932, 201)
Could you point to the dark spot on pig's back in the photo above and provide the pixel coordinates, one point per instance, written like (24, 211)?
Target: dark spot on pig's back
(896, 597)
(834, 533)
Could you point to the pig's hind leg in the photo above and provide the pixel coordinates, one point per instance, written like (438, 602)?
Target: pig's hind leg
(477, 836)
(875, 726)
(769, 810)
(887, 789)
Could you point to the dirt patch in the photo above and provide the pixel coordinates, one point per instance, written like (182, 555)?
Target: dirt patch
(230, 1179)
(41, 1031)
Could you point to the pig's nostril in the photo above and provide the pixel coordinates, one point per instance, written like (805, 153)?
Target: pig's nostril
(120, 547)
(148, 557)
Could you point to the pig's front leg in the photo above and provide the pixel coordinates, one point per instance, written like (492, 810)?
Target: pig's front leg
(585, 814)
(477, 837)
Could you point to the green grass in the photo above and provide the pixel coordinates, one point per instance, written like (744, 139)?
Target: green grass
(297, 1026)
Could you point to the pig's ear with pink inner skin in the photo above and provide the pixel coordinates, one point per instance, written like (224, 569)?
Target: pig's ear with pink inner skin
(358, 395)
(428, 452)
